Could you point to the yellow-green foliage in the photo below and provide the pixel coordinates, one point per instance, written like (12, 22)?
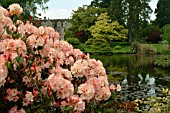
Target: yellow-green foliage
(89, 42)
(98, 44)
(108, 30)
(117, 47)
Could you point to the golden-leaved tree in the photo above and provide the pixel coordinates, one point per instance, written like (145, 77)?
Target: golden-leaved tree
(105, 29)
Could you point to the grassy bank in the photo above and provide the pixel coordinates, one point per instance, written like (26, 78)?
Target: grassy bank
(126, 49)
(123, 50)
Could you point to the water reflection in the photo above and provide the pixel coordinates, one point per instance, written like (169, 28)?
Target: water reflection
(136, 73)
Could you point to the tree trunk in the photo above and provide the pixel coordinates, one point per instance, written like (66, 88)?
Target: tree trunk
(130, 33)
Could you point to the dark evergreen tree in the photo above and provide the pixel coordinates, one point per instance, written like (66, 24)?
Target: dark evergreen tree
(117, 11)
(163, 13)
(101, 3)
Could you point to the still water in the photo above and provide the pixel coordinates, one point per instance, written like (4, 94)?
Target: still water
(137, 74)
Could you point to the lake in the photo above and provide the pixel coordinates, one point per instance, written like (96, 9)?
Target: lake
(137, 74)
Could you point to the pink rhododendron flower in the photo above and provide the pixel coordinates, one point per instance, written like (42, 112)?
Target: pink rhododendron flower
(3, 74)
(15, 110)
(66, 74)
(32, 41)
(74, 99)
(51, 32)
(29, 96)
(2, 30)
(2, 59)
(101, 86)
(78, 54)
(21, 111)
(15, 9)
(44, 90)
(41, 30)
(35, 93)
(61, 86)
(69, 61)
(64, 103)
(112, 87)
(2, 18)
(12, 48)
(25, 79)
(87, 91)
(118, 88)
(79, 106)
(102, 94)
(79, 68)
(95, 68)
(4, 11)
(19, 22)
(41, 66)
(12, 94)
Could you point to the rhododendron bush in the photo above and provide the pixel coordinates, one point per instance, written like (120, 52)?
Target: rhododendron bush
(38, 70)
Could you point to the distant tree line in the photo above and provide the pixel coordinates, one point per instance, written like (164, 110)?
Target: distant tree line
(30, 7)
(134, 15)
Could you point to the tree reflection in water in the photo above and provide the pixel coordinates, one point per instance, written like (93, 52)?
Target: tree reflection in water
(137, 74)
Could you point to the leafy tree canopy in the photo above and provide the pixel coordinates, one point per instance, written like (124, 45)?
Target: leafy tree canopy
(108, 30)
(163, 13)
(83, 18)
(130, 13)
(29, 6)
(101, 3)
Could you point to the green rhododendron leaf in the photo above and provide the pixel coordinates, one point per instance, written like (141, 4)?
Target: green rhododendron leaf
(11, 67)
(21, 60)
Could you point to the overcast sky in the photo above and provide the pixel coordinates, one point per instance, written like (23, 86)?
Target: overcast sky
(62, 9)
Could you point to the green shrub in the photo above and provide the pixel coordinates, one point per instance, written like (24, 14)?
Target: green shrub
(166, 33)
(117, 47)
(75, 43)
(100, 45)
(135, 47)
(143, 48)
(89, 42)
(146, 49)
(113, 44)
(163, 61)
(166, 52)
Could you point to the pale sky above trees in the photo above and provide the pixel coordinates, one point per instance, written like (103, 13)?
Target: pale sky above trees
(62, 9)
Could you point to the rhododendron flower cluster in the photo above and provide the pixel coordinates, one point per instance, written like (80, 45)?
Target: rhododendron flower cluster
(38, 69)
(15, 110)
(15, 9)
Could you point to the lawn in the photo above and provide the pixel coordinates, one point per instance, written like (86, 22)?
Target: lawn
(159, 47)
(125, 49)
